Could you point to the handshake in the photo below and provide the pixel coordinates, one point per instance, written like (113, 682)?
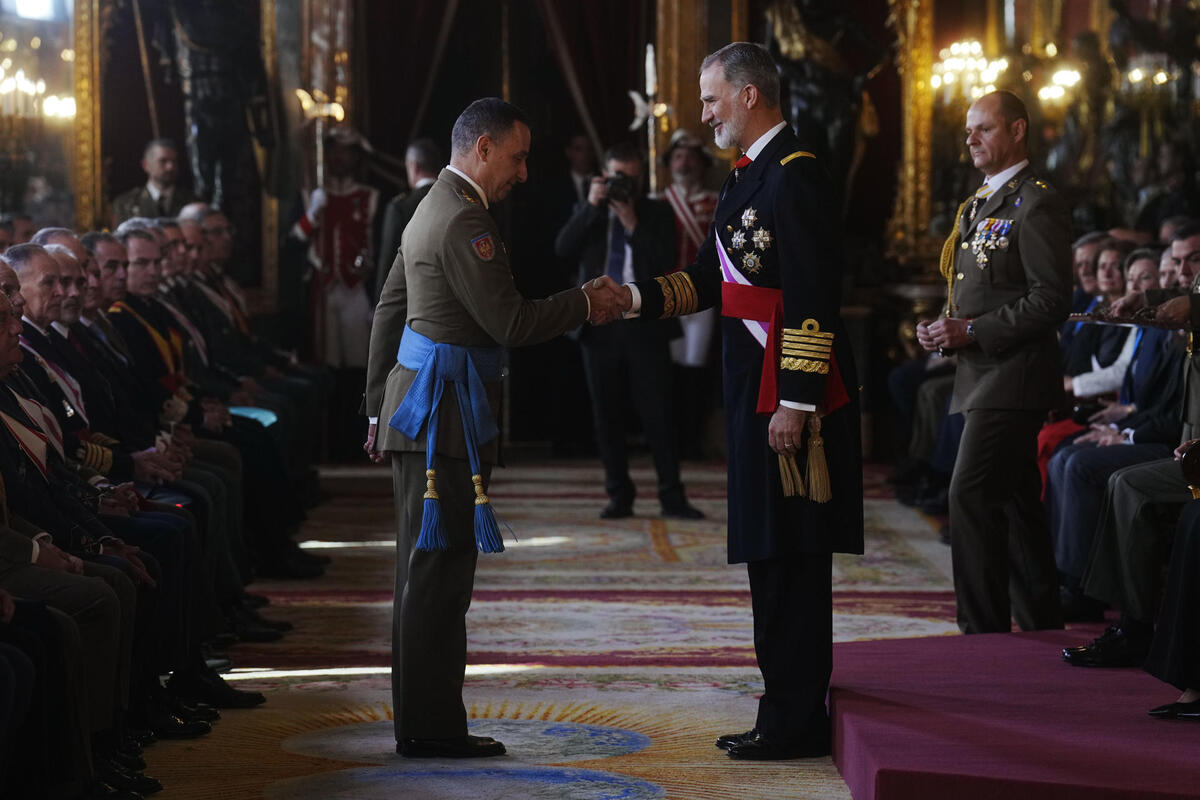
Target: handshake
(608, 299)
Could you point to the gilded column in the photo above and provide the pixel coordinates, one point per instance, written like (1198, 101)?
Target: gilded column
(680, 46)
(89, 197)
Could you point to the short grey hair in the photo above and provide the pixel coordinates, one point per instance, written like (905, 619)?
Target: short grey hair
(748, 64)
(488, 116)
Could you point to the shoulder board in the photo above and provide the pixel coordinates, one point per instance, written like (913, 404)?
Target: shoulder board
(465, 195)
(798, 154)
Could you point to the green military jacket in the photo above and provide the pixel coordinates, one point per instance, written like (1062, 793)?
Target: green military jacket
(452, 283)
(1012, 278)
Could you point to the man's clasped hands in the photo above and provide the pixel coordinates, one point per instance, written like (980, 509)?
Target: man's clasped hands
(608, 299)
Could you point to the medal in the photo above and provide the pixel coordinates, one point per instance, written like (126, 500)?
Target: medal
(738, 240)
(749, 217)
(762, 239)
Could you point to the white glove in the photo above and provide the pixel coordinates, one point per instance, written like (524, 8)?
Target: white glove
(316, 202)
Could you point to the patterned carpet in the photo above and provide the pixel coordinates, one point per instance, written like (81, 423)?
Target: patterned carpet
(606, 655)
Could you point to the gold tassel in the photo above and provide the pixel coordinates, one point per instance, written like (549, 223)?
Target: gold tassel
(818, 468)
(789, 476)
(430, 485)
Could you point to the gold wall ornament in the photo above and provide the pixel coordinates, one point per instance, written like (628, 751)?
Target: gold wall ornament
(87, 173)
(908, 237)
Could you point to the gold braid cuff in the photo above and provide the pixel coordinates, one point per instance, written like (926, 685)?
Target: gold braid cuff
(95, 457)
(806, 349)
(679, 294)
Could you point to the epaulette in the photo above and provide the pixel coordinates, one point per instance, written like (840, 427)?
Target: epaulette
(798, 154)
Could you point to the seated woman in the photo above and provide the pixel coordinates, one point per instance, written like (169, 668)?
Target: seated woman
(1100, 354)
(1143, 425)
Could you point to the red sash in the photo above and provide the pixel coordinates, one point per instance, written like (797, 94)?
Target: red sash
(766, 305)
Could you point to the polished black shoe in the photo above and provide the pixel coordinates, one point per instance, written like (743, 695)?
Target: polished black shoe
(1110, 633)
(99, 790)
(762, 748)
(730, 739)
(119, 778)
(142, 737)
(129, 761)
(616, 510)
(460, 747)
(210, 688)
(1177, 711)
(247, 630)
(684, 510)
(167, 725)
(1078, 607)
(1115, 651)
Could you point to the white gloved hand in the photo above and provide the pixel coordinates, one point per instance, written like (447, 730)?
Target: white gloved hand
(316, 202)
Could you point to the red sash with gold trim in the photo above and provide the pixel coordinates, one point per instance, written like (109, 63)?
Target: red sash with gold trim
(766, 305)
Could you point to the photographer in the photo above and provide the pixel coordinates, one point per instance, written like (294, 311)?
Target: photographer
(619, 232)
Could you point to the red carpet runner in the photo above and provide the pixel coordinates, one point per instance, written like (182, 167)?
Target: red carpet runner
(1002, 716)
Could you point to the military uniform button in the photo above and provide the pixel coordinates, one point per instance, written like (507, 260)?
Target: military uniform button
(729, 228)
(961, 276)
(964, 245)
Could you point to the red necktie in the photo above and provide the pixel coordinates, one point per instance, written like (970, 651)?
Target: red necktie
(744, 161)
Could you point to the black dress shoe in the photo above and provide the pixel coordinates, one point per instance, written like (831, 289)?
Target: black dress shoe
(682, 510)
(1177, 711)
(616, 510)
(459, 747)
(730, 739)
(167, 725)
(128, 761)
(99, 790)
(247, 630)
(210, 688)
(762, 748)
(1117, 650)
(118, 778)
(255, 601)
(142, 737)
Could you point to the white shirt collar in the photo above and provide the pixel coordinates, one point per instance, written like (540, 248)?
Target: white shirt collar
(155, 192)
(27, 321)
(468, 179)
(424, 182)
(63, 329)
(1001, 178)
(761, 143)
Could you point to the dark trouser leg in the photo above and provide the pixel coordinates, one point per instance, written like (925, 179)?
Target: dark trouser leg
(997, 519)
(605, 369)
(650, 386)
(792, 597)
(1175, 654)
(433, 593)
(1125, 563)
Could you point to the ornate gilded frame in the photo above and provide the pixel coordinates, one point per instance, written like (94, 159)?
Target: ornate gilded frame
(909, 240)
(87, 172)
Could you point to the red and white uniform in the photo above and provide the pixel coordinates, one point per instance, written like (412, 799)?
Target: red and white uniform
(693, 216)
(338, 300)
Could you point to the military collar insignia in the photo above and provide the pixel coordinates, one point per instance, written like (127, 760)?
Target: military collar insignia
(485, 248)
(465, 195)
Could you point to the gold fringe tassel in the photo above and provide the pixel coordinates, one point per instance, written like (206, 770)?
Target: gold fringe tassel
(789, 475)
(818, 468)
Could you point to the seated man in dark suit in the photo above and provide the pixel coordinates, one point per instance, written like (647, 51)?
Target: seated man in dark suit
(160, 196)
(620, 233)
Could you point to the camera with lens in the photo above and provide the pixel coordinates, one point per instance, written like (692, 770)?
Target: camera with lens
(620, 187)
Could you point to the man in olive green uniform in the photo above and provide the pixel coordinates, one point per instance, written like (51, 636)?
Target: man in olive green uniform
(1008, 268)
(450, 292)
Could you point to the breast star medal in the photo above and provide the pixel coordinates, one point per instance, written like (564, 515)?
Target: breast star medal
(749, 217)
(738, 240)
(751, 263)
(762, 239)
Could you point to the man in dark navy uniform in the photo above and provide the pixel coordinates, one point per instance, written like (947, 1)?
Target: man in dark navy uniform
(773, 263)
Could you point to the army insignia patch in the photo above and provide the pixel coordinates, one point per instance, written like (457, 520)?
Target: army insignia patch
(738, 240)
(749, 217)
(762, 239)
(484, 247)
(751, 263)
